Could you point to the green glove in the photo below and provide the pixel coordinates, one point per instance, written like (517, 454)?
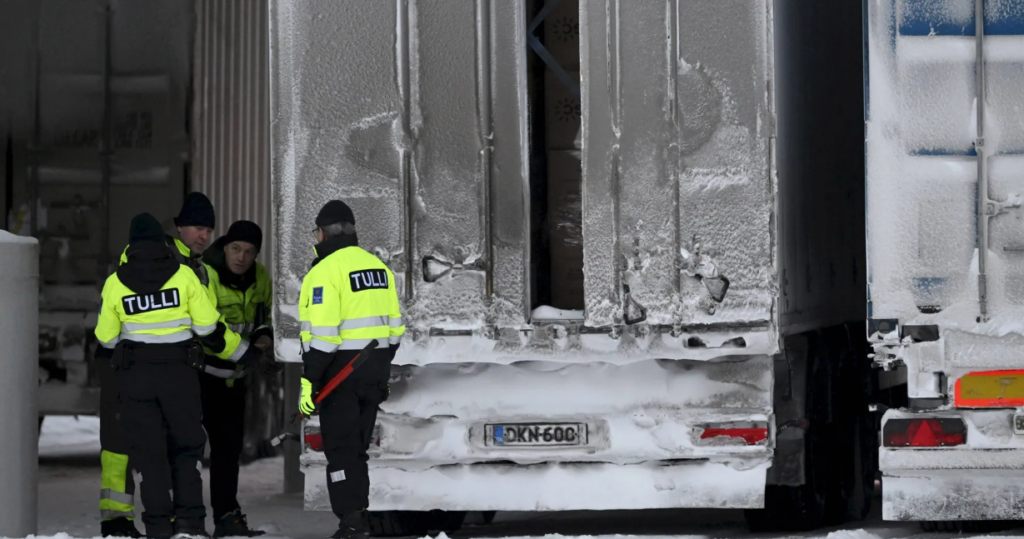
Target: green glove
(231, 381)
(306, 405)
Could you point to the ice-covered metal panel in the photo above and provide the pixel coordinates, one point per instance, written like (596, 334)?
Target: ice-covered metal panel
(677, 180)
(414, 116)
(230, 114)
(923, 175)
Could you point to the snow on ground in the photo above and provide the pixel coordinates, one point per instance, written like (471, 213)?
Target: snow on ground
(69, 482)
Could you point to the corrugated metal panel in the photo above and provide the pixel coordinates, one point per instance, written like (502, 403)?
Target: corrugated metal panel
(231, 146)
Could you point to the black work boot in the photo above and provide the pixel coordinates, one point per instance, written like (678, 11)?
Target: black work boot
(352, 526)
(119, 527)
(190, 528)
(162, 529)
(234, 524)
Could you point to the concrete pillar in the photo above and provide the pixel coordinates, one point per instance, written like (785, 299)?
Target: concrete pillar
(294, 480)
(19, 363)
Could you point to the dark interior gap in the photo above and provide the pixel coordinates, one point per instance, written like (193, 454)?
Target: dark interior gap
(540, 253)
(555, 150)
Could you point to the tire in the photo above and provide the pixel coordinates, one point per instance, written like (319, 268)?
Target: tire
(264, 415)
(415, 523)
(802, 508)
(848, 406)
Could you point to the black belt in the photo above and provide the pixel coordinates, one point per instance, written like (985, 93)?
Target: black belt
(127, 354)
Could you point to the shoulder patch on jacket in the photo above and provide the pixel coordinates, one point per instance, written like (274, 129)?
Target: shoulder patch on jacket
(318, 295)
(371, 279)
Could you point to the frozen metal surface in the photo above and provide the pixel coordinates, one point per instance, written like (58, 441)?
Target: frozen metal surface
(231, 114)
(942, 495)
(923, 174)
(414, 117)
(676, 162)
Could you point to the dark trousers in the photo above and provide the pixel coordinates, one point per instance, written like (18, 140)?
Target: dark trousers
(162, 417)
(117, 494)
(224, 419)
(347, 417)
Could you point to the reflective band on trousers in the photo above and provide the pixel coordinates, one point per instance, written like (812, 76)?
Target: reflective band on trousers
(171, 324)
(238, 328)
(224, 373)
(119, 497)
(177, 336)
(107, 514)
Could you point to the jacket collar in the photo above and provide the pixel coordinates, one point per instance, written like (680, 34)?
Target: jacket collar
(181, 247)
(150, 264)
(327, 248)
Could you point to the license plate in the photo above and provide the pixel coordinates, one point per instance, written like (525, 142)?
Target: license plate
(1018, 422)
(537, 434)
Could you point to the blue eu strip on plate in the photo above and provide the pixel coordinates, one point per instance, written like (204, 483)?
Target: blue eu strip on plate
(499, 435)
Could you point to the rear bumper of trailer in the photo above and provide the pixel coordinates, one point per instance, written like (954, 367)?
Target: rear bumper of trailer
(978, 474)
(557, 486)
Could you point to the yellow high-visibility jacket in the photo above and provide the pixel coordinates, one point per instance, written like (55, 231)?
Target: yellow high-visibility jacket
(246, 312)
(347, 299)
(180, 310)
(235, 346)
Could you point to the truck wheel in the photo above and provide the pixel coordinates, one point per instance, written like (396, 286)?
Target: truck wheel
(264, 415)
(417, 523)
(848, 406)
(802, 508)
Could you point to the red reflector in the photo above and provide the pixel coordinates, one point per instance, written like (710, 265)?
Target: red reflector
(315, 441)
(750, 435)
(929, 432)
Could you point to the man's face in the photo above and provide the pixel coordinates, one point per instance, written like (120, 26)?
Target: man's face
(195, 237)
(240, 256)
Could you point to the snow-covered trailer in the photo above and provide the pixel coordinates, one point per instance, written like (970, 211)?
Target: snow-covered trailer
(945, 155)
(628, 238)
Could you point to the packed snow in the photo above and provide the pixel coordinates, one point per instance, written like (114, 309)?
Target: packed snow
(69, 489)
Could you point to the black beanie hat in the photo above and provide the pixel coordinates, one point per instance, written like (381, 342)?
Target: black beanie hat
(333, 212)
(246, 231)
(197, 210)
(145, 227)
